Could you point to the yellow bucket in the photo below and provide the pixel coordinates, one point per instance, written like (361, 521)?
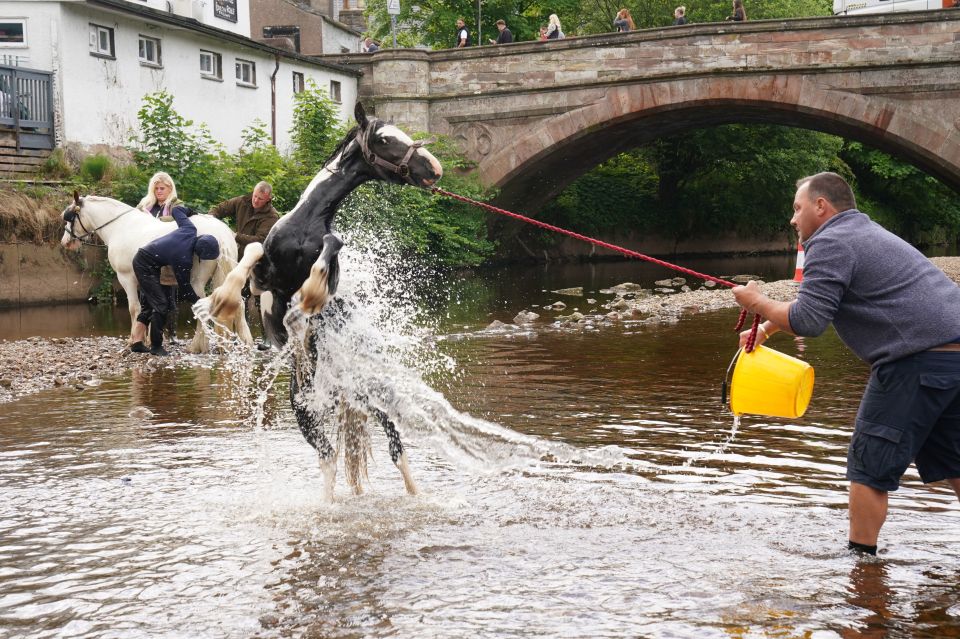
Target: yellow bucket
(767, 382)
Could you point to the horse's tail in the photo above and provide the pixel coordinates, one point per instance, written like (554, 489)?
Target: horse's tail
(354, 440)
(225, 263)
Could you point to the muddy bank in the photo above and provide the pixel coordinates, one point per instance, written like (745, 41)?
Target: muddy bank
(76, 364)
(35, 364)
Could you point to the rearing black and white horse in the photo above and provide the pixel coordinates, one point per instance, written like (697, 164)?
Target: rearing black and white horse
(299, 261)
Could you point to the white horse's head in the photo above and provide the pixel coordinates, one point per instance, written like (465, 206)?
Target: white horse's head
(88, 215)
(71, 217)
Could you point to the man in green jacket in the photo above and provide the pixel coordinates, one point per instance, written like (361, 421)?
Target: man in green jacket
(253, 215)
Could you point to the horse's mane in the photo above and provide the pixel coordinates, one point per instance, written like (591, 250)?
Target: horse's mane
(347, 139)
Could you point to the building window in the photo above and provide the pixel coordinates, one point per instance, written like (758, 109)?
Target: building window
(13, 33)
(101, 41)
(149, 51)
(335, 91)
(246, 73)
(211, 65)
(297, 82)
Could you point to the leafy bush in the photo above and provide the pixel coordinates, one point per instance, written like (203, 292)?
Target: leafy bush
(56, 167)
(169, 142)
(316, 128)
(96, 168)
(735, 177)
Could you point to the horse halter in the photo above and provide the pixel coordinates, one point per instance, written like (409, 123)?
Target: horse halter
(402, 168)
(72, 215)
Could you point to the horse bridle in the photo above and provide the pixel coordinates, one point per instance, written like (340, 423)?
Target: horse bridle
(402, 168)
(72, 215)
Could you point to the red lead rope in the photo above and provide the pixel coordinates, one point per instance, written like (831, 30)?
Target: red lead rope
(751, 339)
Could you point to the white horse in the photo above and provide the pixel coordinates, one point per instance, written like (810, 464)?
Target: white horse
(125, 230)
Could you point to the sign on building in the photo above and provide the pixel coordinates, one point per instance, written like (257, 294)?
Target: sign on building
(226, 9)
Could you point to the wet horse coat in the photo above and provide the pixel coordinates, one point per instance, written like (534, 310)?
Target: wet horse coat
(300, 257)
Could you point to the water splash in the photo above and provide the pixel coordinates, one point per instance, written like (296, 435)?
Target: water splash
(374, 348)
(718, 450)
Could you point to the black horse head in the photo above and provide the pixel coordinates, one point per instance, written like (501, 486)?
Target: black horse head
(392, 155)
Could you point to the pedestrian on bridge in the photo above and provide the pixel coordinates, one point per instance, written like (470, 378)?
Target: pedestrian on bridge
(554, 32)
(739, 13)
(505, 36)
(624, 21)
(897, 311)
(463, 35)
(679, 16)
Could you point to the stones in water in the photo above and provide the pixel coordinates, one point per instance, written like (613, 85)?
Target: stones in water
(525, 317)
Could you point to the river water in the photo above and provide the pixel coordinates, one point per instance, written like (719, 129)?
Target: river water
(572, 484)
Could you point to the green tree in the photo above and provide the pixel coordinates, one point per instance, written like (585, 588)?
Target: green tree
(734, 177)
(432, 23)
(439, 230)
(916, 206)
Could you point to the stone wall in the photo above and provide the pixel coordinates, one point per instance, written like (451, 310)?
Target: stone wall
(32, 274)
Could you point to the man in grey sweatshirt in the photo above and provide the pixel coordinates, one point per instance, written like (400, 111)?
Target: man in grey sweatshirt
(895, 310)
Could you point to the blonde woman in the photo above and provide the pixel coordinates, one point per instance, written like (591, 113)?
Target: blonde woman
(624, 21)
(554, 31)
(161, 195)
(160, 198)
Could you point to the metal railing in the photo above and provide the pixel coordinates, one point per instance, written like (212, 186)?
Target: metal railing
(26, 106)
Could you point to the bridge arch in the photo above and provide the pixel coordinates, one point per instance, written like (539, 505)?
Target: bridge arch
(534, 168)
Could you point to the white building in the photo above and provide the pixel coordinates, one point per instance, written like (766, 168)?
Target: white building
(105, 55)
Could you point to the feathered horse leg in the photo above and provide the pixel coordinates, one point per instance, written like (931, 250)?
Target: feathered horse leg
(226, 302)
(317, 288)
(397, 454)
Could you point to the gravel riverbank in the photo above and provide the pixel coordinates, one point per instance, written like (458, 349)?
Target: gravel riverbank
(31, 365)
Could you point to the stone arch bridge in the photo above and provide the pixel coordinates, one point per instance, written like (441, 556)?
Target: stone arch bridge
(534, 116)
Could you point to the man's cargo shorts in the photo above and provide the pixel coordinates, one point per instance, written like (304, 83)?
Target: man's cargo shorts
(910, 412)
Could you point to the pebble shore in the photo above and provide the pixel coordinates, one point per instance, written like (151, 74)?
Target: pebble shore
(35, 364)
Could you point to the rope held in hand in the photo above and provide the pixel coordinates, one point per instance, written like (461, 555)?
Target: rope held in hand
(751, 339)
